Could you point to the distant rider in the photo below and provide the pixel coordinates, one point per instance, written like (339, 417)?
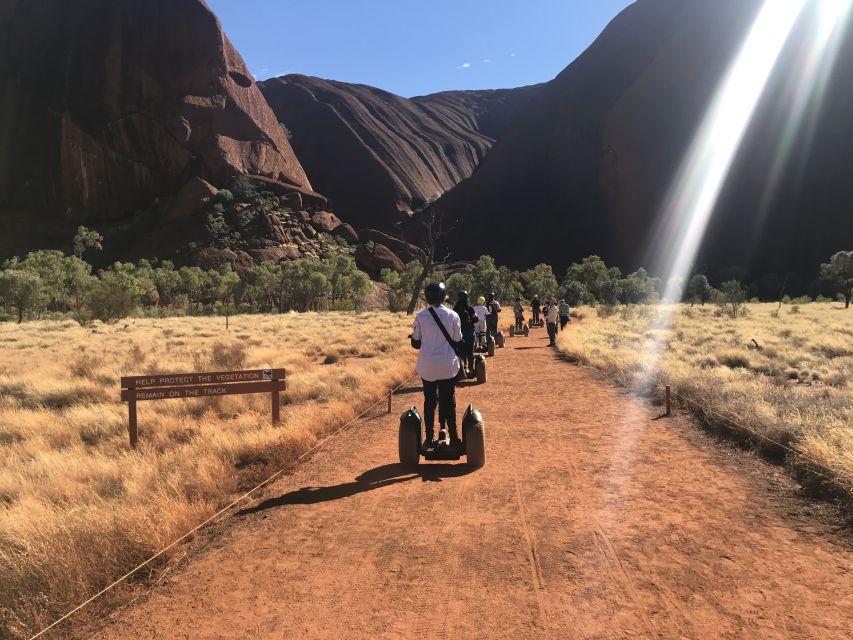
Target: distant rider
(482, 312)
(565, 318)
(468, 320)
(536, 308)
(492, 319)
(518, 311)
(437, 333)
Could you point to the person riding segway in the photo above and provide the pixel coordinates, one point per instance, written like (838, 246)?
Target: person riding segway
(536, 311)
(437, 333)
(494, 308)
(468, 320)
(482, 312)
(518, 311)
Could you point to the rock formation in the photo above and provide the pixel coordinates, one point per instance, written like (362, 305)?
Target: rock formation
(109, 109)
(585, 166)
(378, 156)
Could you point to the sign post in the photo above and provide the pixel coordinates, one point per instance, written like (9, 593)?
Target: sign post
(201, 385)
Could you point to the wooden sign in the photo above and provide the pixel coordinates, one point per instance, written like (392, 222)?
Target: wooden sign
(201, 385)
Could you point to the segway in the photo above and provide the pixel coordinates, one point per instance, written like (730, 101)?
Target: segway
(472, 445)
(489, 347)
(480, 369)
(537, 323)
(513, 332)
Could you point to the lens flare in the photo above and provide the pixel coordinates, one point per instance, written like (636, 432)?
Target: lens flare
(690, 203)
(807, 89)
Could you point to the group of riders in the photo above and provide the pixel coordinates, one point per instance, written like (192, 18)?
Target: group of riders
(448, 338)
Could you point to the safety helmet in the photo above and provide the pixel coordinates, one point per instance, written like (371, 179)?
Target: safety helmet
(435, 293)
(491, 296)
(463, 296)
(481, 300)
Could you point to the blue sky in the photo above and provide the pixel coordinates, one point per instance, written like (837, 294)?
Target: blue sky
(415, 47)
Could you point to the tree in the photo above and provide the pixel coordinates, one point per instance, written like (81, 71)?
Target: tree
(839, 273)
(86, 239)
(400, 285)
(22, 290)
(435, 231)
(110, 298)
(541, 282)
(731, 297)
(699, 289)
(591, 282)
(223, 282)
(637, 288)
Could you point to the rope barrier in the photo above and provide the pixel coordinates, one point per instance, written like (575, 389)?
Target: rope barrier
(221, 511)
(834, 474)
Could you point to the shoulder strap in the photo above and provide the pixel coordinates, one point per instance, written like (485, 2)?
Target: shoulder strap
(441, 326)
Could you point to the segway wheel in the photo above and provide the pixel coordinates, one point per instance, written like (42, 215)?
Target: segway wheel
(480, 369)
(409, 438)
(526, 331)
(490, 348)
(474, 436)
(512, 331)
(499, 340)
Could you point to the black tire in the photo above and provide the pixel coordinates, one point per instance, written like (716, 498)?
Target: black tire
(409, 438)
(480, 369)
(526, 331)
(499, 340)
(490, 348)
(512, 331)
(474, 436)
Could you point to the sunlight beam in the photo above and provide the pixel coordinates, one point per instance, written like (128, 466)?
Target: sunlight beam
(690, 203)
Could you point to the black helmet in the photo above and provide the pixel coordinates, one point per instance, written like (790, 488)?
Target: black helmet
(491, 296)
(435, 293)
(463, 296)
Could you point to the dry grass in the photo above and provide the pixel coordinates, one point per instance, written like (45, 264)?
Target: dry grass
(787, 376)
(78, 508)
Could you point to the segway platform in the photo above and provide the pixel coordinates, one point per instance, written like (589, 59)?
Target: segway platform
(444, 450)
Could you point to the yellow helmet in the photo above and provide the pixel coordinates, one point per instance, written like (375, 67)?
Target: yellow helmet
(481, 300)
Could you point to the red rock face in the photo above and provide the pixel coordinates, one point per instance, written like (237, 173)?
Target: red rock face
(376, 155)
(586, 164)
(107, 105)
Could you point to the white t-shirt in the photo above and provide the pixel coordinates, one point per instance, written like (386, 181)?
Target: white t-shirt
(551, 313)
(437, 359)
(481, 312)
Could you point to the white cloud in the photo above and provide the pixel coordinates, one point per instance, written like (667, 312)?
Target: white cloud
(512, 55)
(487, 60)
(464, 65)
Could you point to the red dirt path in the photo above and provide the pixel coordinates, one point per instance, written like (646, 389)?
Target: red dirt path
(589, 520)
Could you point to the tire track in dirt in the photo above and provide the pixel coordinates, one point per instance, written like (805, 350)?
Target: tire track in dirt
(588, 521)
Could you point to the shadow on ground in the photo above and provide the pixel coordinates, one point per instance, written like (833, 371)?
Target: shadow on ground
(377, 478)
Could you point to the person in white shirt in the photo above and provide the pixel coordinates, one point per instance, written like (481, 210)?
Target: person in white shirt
(437, 333)
(552, 315)
(481, 311)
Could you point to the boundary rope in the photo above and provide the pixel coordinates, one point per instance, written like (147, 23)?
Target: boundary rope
(224, 509)
(833, 473)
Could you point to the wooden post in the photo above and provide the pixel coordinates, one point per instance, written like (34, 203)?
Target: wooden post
(668, 400)
(131, 423)
(276, 407)
(390, 395)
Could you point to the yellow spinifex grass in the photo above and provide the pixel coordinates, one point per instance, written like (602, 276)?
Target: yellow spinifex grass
(786, 374)
(78, 508)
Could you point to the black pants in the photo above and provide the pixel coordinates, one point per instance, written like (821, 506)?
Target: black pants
(443, 394)
(536, 316)
(564, 320)
(552, 332)
(468, 339)
(492, 329)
